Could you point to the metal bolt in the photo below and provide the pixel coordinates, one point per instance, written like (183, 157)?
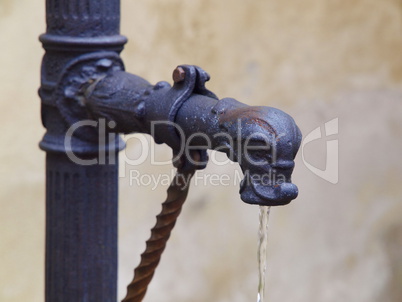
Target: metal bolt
(178, 75)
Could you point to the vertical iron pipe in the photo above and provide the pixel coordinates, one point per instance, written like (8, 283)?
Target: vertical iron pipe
(81, 200)
(81, 231)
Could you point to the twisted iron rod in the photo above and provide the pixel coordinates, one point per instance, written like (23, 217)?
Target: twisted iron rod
(160, 233)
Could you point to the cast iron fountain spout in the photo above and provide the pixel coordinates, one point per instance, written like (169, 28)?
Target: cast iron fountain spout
(191, 119)
(187, 116)
(83, 88)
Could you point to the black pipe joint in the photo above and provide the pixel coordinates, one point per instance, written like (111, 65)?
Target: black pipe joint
(263, 140)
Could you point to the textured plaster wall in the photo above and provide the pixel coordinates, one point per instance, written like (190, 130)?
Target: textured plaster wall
(317, 60)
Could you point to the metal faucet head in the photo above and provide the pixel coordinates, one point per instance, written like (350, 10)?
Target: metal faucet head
(265, 143)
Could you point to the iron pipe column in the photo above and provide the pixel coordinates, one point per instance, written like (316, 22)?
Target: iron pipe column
(81, 199)
(87, 97)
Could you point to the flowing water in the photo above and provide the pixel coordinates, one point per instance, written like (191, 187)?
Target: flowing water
(262, 251)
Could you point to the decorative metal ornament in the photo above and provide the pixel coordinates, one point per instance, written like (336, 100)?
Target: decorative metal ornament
(83, 82)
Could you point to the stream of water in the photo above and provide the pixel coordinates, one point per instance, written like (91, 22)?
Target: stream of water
(262, 251)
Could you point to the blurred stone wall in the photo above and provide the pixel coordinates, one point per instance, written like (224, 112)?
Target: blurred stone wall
(316, 59)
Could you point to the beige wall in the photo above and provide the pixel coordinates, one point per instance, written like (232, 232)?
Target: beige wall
(316, 59)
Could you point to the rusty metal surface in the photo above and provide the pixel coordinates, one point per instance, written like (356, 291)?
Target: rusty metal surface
(84, 86)
(160, 233)
(263, 140)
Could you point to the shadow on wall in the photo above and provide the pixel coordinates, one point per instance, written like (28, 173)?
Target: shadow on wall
(392, 243)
